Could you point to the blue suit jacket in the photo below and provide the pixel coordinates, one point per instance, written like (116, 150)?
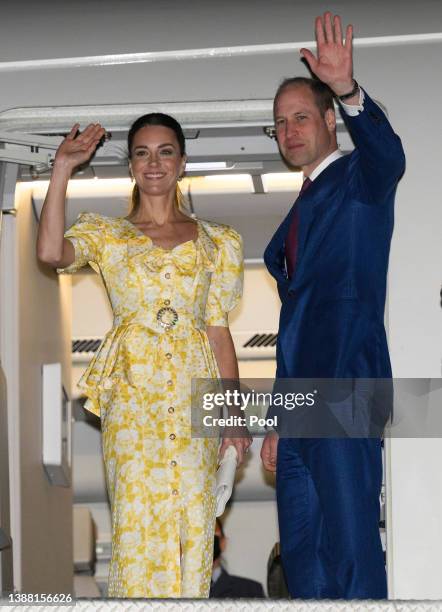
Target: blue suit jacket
(332, 313)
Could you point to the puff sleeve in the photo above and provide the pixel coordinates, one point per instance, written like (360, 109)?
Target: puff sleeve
(226, 285)
(86, 235)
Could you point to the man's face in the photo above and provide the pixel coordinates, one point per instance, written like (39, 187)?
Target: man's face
(305, 137)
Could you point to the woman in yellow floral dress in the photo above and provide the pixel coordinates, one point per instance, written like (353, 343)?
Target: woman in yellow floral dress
(171, 281)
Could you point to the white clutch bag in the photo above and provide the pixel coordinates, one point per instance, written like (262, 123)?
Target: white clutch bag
(225, 477)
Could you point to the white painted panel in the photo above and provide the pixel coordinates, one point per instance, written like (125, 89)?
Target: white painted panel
(42, 318)
(56, 420)
(135, 26)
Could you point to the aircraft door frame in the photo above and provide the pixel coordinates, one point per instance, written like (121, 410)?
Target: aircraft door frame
(9, 502)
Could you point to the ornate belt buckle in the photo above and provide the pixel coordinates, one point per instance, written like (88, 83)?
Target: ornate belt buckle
(167, 317)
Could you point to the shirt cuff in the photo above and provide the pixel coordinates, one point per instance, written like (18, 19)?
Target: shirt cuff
(354, 109)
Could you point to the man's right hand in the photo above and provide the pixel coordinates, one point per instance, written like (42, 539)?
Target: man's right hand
(269, 451)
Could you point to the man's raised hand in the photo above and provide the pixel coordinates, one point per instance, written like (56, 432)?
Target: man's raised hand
(334, 62)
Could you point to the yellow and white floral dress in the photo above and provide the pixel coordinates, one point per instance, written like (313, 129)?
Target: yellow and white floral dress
(160, 480)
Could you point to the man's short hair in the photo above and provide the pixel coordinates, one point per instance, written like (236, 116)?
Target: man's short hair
(322, 93)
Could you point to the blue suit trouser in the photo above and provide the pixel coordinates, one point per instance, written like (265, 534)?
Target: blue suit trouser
(328, 509)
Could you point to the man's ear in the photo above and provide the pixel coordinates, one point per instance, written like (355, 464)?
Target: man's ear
(330, 119)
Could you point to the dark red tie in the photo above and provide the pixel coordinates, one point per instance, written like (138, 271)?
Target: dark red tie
(291, 243)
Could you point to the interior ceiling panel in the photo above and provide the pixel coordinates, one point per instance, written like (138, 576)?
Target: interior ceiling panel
(66, 31)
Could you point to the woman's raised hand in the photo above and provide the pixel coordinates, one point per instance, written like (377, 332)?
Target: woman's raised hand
(77, 149)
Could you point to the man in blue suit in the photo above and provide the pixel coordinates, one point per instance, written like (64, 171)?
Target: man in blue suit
(330, 257)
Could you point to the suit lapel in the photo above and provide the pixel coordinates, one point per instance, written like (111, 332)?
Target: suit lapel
(317, 208)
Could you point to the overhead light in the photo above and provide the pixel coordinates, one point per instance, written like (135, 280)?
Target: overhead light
(122, 187)
(282, 181)
(206, 166)
(86, 188)
(218, 183)
(213, 183)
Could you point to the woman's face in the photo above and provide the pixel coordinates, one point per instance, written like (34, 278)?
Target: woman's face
(156, 161)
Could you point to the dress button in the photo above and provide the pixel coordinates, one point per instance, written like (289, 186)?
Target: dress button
(170, 382)
(169, 355)
(166, 302)
(167, 275)
(173, 463)
(174, 492)
(171, 409)
(172, 436)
